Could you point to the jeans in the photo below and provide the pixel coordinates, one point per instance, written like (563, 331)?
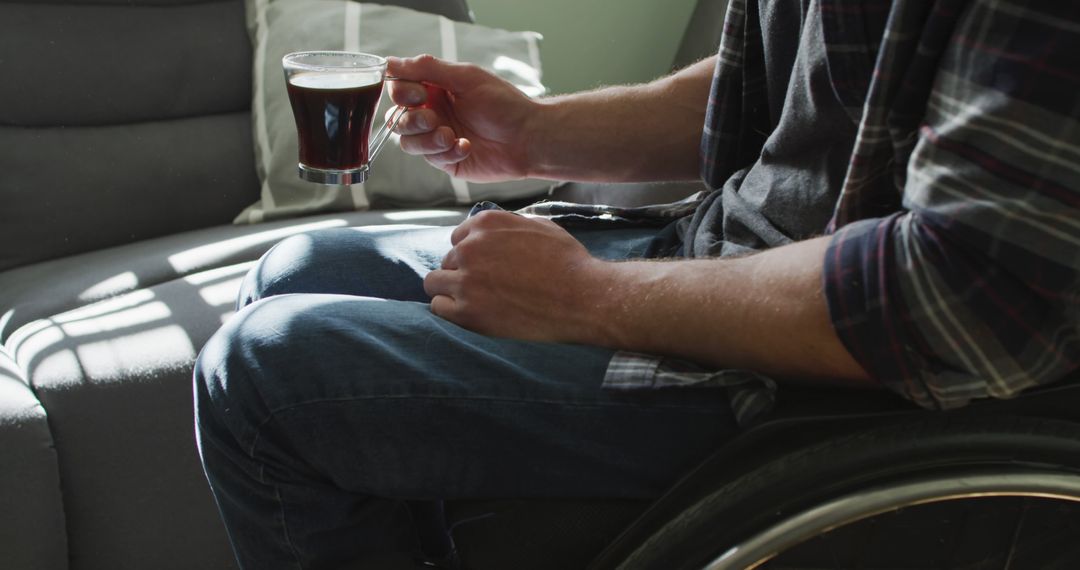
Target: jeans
(334, 399)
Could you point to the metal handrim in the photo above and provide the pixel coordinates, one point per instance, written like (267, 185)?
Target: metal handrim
(854, 507)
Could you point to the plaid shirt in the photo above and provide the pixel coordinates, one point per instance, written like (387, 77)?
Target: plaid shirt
(954, 270)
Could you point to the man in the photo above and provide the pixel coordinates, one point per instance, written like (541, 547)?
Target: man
(907, 170)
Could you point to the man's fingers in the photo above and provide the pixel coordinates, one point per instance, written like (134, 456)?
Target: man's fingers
(435, 142)
(488, 219)
(450, 260)
(457, 153)
(407, 93)
(416, 122)
(441, 282)
(453, 77)
(445, 307)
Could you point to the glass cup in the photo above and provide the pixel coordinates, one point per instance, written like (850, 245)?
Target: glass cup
(334, 97)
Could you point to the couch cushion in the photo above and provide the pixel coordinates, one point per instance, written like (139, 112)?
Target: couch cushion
(80, 65)
(68, 190)
(32, 531)
(44, 289)
(120, 121)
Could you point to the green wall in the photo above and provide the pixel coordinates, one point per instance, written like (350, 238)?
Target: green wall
(589, 43)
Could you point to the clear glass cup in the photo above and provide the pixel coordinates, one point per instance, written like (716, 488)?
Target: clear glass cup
(335, 96)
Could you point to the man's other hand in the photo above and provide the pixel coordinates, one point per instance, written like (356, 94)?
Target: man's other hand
(461, 118)
(517, 277)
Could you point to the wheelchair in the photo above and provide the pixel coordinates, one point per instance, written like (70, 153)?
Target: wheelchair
(831, 479)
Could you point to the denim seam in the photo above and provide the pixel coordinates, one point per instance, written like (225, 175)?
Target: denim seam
(285, 528)
(263, 479)
(275, 411)
(277, 494)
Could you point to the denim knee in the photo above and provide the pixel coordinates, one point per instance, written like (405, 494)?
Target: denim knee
(254, 364)
(250, 367)
(228, 405)
(284, 268)
(340, 261)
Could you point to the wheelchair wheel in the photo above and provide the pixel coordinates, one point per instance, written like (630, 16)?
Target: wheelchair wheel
(941, 463)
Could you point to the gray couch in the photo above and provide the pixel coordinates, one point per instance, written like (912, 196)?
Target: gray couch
(125, 152)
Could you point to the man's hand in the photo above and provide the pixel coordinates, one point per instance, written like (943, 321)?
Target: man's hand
(512, 276)
(462, 119)
(529, 279)
(478, 127)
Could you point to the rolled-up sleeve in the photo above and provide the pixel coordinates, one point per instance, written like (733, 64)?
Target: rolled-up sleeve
(974, 289)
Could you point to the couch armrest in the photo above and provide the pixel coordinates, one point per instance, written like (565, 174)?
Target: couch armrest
(32, 528)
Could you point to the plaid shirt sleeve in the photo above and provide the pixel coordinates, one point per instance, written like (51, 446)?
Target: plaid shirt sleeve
(973, 290)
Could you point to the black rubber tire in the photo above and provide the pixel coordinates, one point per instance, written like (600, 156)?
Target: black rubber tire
(834, 468)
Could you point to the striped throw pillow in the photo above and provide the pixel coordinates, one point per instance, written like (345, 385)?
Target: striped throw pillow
(398, 180)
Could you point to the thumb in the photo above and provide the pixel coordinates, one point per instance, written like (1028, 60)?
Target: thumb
(453, 77)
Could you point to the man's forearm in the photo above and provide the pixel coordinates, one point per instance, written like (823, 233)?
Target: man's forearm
(765, 312)
(636, 133)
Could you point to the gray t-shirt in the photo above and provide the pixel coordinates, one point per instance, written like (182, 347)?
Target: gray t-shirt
(789, 193)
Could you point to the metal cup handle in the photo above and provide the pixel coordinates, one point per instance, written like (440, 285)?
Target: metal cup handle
(384, 132)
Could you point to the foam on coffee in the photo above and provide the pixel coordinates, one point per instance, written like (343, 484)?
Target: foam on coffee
(344, 80)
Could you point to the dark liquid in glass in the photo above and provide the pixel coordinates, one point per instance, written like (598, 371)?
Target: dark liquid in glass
(333, 119)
